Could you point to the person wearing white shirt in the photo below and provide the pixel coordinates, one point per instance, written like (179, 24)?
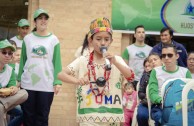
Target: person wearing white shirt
(23, 30)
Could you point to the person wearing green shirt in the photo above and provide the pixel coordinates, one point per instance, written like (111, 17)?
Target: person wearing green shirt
(160, 74)
(135, 54)
(40, 63)
(10, 95)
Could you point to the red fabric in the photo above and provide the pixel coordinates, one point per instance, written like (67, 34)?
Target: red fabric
(132, 77)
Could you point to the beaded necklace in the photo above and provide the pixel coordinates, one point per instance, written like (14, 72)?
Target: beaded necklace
(91, 69)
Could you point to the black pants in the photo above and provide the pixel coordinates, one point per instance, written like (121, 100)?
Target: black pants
(37, 107)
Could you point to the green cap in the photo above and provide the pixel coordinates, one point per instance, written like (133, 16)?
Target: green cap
(38, 12)
(23, 22)
(5, 44)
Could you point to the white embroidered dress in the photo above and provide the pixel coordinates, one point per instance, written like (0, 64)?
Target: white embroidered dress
(95, 109)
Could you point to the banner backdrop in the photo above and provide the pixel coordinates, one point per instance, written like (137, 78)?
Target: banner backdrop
(154, 15)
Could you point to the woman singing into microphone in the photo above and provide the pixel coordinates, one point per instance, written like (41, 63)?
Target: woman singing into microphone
(99, 90)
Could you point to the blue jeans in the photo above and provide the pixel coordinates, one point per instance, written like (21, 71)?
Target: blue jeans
(142, 115)
(156, 114)
(16, 116)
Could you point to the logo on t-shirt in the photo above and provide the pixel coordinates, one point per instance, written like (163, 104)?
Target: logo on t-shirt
(39, 50)
(140, 54)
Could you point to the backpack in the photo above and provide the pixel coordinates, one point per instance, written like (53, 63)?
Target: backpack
(172, 104)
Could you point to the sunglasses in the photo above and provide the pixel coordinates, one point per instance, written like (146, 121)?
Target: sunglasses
(7, 53)
(169, 55)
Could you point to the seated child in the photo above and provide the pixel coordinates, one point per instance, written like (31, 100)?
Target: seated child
(154, 60)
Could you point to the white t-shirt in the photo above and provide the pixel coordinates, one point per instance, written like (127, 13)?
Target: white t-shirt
(17, 41)
(42, 53)
(137, 54)
(162, 75)
(5, 75)
(192, 74)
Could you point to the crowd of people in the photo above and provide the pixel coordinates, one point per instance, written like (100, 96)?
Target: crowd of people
(34, 60)
(31, 73)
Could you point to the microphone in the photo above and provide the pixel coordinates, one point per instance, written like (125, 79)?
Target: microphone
(103, 49)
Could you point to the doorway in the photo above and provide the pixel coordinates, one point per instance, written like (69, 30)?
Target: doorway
(11, 11)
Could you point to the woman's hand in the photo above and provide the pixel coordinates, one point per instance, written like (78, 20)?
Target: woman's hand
(57, 88)
(14, 90)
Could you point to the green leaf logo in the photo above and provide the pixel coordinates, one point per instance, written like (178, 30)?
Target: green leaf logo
(35, 78)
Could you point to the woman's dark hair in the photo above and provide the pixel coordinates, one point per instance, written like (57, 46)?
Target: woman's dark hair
(34, 29)
(85, 44)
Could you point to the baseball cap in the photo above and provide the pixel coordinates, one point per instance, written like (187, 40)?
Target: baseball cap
(99, 25)
(38, 12)
(5, 44)
(23, 22)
